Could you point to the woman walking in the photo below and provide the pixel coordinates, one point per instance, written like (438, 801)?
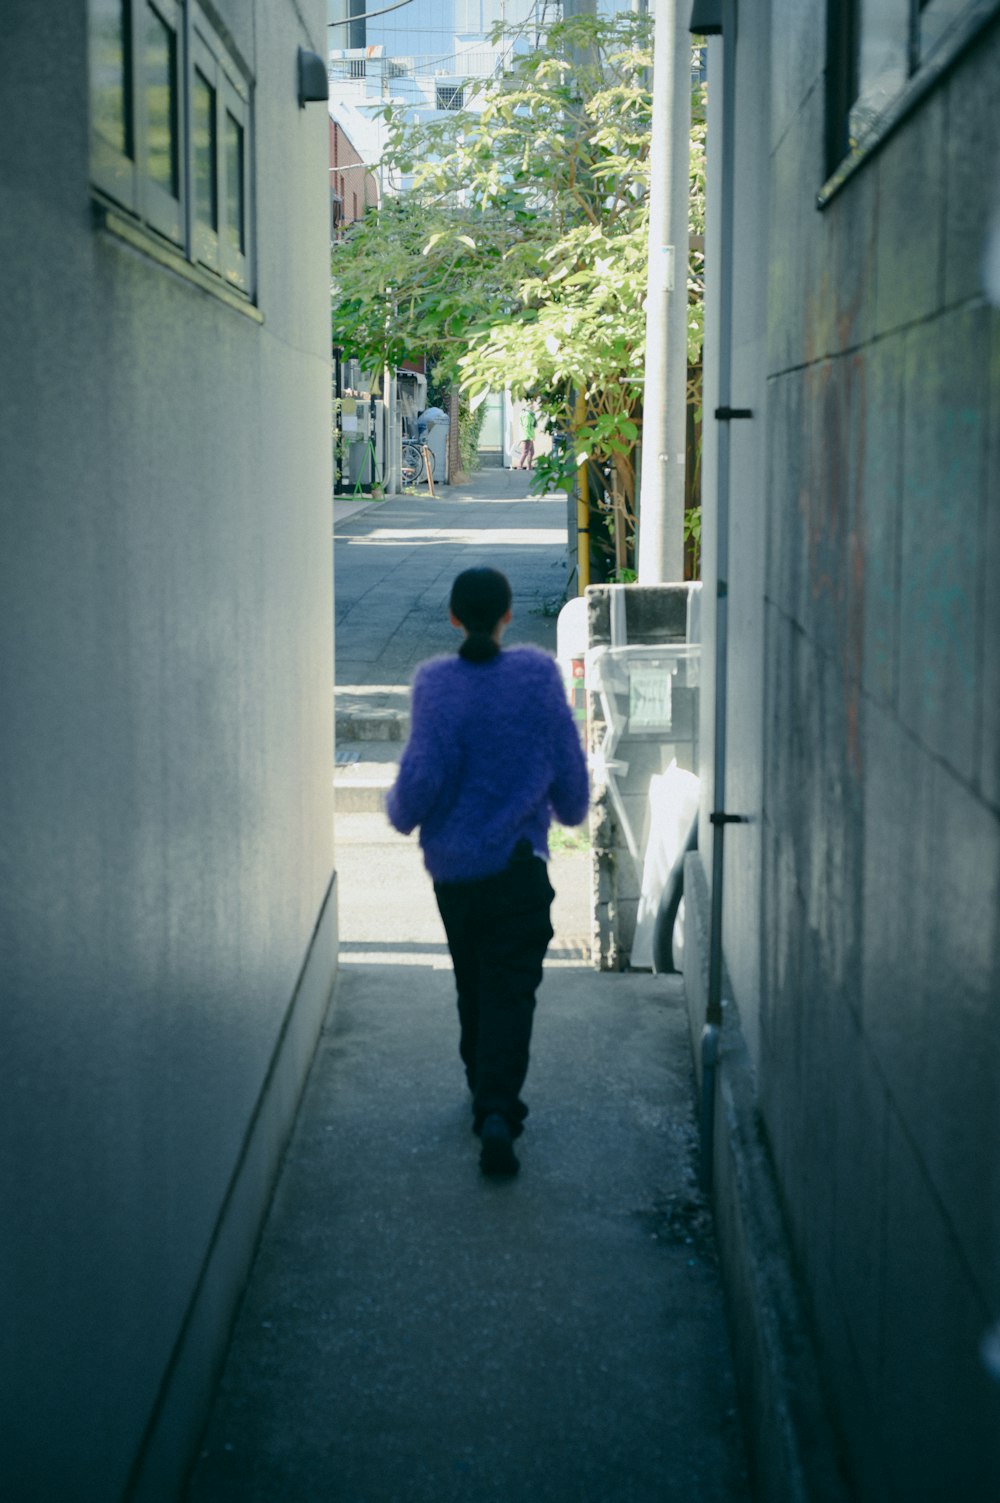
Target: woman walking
(529, 423)
(493, 753)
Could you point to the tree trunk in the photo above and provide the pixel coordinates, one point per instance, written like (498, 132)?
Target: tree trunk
(455, 472)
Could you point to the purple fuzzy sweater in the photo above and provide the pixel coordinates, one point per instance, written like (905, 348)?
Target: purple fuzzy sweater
(493, 753)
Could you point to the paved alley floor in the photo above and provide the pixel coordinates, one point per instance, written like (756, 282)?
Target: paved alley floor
(395, 562)
(413, 1332)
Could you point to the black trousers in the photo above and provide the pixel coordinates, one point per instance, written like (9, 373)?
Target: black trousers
(498, 930)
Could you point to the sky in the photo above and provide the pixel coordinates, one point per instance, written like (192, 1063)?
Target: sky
(429, 28)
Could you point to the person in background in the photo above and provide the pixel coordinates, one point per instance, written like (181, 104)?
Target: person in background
(493, 754)
(428, 419)
(529, 424)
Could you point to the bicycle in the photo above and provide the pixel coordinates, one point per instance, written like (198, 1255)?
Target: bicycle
(418, 462)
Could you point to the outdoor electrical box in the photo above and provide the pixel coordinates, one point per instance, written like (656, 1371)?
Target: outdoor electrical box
(642, 674)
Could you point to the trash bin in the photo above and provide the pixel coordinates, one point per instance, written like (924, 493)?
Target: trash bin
(432, 429)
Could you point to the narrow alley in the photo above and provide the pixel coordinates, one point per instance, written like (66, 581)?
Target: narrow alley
(248, 1251)
(412, 1332)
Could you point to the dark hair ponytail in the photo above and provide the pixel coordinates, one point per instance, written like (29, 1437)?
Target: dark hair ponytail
(478, 647)
(479, 599)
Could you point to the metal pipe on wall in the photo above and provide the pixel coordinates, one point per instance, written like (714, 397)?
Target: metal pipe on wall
(390, 469)
(725, 413)
(664, 422)
(582, 507)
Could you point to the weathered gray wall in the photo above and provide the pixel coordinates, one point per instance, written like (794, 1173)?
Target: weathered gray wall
(877, 636)
(165, 759)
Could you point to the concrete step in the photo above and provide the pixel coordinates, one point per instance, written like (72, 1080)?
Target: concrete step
(354, 724)
(363, 774)
(360, 797)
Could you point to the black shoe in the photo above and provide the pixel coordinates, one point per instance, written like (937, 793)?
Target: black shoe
(498, 1156)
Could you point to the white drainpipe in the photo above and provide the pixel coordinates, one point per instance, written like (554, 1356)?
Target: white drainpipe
(725, 413)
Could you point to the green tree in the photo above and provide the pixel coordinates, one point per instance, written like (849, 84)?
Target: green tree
(517, 254)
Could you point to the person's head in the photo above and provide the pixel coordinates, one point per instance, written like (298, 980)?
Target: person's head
(480, 603)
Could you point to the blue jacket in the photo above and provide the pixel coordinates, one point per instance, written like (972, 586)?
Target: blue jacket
(493, 753)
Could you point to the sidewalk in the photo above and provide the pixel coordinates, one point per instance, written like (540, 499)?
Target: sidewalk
(395, 562)
(413, 1332)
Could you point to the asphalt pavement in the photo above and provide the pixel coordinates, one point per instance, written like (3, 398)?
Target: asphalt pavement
(395, 562)
(413, 1332)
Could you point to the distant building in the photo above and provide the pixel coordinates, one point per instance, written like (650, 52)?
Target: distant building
(353, 185)
(427, 56)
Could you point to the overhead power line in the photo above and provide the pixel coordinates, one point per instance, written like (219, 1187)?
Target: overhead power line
(370, 13)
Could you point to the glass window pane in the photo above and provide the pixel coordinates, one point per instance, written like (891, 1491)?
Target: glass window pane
(883, 60)
(161, 103)
(235, 207)
(109, 73)
(206, 188)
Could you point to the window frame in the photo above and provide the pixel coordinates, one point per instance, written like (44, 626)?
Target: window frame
(931, 56)
(135, 205)
(159, 208)
(456, 97)
(203, 237)
(235, 261)
(114, 172)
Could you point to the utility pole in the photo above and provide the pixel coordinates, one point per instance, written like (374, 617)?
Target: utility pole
(390, 466)
(664, 423)
(582, 500)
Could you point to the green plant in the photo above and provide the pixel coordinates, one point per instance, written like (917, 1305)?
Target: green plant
(692, 537)
(341, 442)
(517, 256)
(563, 839)
(470, 425)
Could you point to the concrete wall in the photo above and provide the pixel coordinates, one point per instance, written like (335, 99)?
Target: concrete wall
(167, 938)
(870, 646)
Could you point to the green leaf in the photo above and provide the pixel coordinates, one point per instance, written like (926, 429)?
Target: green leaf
(519, 256)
